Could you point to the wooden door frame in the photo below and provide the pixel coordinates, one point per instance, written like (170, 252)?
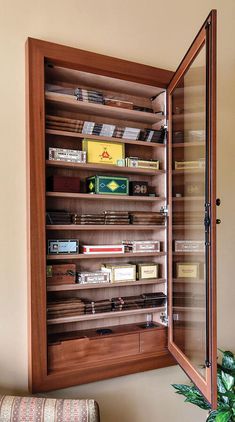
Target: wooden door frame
(207, 37)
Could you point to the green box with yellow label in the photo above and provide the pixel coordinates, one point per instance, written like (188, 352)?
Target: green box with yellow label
(108, 185)
(102, 152)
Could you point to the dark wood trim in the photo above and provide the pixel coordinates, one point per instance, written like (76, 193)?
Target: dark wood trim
(212, 29)
(98, 63)
(36, 213)
(100, 372)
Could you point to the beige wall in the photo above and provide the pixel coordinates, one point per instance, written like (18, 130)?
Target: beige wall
(152, 32)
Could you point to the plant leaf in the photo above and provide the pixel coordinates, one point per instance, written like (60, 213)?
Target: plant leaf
(198, 402)
(228, 380)
(220, 384)
(186, 389)
(230, 395)
(224, 416)
(212, 416)
(228, 361)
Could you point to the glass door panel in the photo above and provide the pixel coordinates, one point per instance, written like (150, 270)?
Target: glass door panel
(188, 199)
(191, 199)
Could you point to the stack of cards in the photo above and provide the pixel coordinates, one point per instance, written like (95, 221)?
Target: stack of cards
(98, 129)
(65, 308)
(146, 218)
(116, 217)
(131, 133)
(97, 306)
(63, 123)
(88, 95)
(152, 300)
(127, 303)
(58, 217)
(150, 135)
(81, 219)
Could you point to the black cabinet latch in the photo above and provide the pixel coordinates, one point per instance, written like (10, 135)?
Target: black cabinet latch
(207, 221)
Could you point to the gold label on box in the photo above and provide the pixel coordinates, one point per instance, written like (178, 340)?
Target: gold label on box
(187, 270)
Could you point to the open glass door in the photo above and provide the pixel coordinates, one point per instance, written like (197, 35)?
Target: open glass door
(191, 196)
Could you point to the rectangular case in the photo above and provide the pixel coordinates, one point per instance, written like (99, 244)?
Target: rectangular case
(97, 249)
(122, 272)
(108, 185)
(147, 270)
(187, 270)
(57, 183)
(61, 274)
(63, 246)
(103, 152)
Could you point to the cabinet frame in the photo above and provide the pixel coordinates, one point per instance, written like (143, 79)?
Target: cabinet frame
(37, 52)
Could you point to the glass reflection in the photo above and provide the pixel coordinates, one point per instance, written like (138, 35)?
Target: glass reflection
(188, 182)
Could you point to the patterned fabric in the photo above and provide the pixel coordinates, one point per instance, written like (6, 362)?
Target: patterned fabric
(34, 409)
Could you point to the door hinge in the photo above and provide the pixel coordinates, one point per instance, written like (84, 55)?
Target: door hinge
(164, 318)
(208, 22)
(208, 364)
(164, 210)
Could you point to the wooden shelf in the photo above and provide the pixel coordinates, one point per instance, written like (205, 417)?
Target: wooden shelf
(189, 199)
(188, 227)
(188, 309)
(189, 171)
(68, 287)
(104, 138)
(103, 227)
(188, 281)
(189, 144)
(104, 168)
(70, 103)
(114, 314)
(102, 255)
(95, 197)
(189, 253)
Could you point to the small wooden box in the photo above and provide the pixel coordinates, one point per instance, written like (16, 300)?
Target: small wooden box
(61, 274)
(139, 188)
(189, 245)
(63, 246)
(108, 185)
(103, 152)
(147, 270)
(187, 270)
(57, 183)
(122, 272)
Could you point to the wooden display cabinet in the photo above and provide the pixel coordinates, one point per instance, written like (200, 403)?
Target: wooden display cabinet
(69, 348)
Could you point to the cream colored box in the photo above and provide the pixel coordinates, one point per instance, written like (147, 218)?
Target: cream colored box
(117, 273)
(147, 270)
(187, 270)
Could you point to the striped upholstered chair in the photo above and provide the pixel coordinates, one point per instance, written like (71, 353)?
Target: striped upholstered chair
(35, 409)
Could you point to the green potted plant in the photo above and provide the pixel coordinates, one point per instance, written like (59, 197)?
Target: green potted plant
(226, 391)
